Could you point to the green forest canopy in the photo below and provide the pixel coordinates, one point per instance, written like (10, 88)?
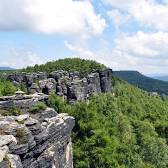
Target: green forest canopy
(146, 83)
(68, 64)
(125, 131)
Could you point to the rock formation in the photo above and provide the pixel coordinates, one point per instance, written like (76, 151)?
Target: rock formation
(31, 141)
(69, 85)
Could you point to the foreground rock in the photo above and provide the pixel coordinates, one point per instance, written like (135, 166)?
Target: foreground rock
(26, 142)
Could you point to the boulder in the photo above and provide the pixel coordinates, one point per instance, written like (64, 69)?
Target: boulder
(14, 161)
(7, 139)
(3, 151)
(34, 88)
(48, 86)
(48, 113)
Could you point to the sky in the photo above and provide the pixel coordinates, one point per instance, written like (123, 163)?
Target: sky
(122, 34)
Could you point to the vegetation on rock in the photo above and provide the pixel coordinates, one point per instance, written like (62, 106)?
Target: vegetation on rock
(13, 111)
(67, 64)
(39, 107)
(6, 88)
(22, 136)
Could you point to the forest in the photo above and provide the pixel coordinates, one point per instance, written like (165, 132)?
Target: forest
(128, 130)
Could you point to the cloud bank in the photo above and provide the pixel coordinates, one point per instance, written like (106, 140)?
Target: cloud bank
(50, 16)
(148, 13)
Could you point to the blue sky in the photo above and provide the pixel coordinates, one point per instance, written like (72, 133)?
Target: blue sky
(124, 35)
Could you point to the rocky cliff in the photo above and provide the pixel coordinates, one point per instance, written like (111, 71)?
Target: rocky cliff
(70, 85)
(36, 142)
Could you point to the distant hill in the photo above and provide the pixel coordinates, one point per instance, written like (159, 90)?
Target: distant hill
(163, 78)
(6, 68)
(143, 82)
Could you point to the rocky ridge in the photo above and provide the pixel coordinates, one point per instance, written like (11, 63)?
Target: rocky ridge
(70, 85)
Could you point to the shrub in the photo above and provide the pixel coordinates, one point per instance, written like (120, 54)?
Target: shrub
(13, 111)
(7, 88)
(39, 107)
(22, 135)
(58, 104)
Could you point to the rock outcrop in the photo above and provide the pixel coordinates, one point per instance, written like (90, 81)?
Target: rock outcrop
(33, 142)
(22, 102)
(69, 85)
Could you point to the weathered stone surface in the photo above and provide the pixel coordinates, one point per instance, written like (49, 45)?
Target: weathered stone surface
(19, 149)
(70, 85)
(3, 151)
(105, 80)
(48, 85)
(44, 147)
(22, 117)
(34, 88)
(14, 161)
(7, 139)
(48, 113)
(94, 83)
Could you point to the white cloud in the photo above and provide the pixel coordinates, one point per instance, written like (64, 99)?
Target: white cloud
(50, 16)
(117, 17)
(21, 59)
(82, 52)
(149, 13)
(146, 52)
(148, 45)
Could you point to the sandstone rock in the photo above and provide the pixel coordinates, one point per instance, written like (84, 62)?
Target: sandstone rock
(3, 151)
(105, 80)
(33, 88)
(19, 149)
(22, 117)
(31, 122)
(15, 161)
(72, 86)
(93, 83)
(48, 86)
(48, 113)
(42, 75)
(41, 136)
(12, 128)
(7, 139)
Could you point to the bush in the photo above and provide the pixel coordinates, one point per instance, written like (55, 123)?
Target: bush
(13, 111)
(58, 103)
(39, 107)
(7, 88)
(22, 135)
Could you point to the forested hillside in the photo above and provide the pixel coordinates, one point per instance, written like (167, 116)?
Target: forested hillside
(143, 82)
(128, 130)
